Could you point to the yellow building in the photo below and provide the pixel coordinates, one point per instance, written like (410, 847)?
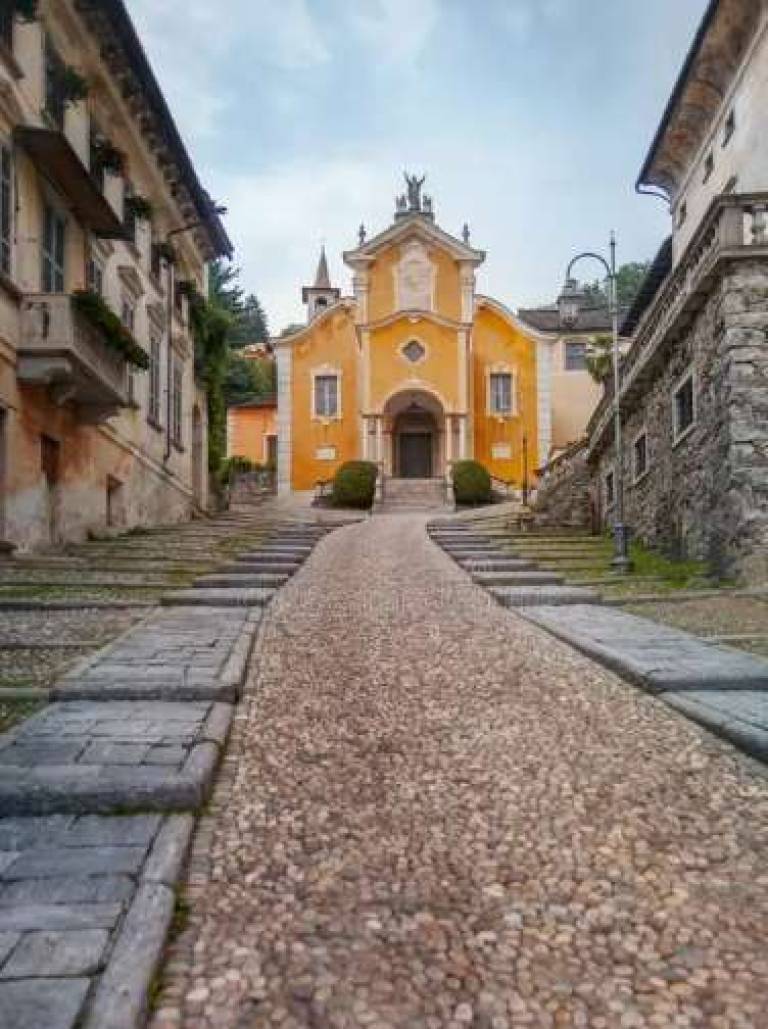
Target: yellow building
(415, 370)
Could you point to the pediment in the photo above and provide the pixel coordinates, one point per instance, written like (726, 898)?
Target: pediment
(415, 228)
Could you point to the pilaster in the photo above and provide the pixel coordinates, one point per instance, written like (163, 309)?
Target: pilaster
(284, 417)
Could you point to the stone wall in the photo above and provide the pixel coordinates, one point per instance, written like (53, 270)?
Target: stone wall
(563, 495)
(706, 496)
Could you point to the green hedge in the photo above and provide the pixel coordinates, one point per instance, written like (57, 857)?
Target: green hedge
(471, 483)
(354, 484)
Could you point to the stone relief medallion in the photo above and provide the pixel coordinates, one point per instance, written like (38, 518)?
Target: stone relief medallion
(414, 278)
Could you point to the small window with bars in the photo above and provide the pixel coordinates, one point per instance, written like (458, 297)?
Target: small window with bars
(500, 392)
(684, 407)
(6, 208)
(153, 412)
(610, 489)
(176, 402)
(640, 456)
(54, 248)
(326, 396)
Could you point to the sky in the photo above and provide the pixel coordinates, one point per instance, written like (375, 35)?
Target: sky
(530, 119)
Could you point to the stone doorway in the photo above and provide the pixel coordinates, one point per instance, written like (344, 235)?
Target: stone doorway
(413, 431)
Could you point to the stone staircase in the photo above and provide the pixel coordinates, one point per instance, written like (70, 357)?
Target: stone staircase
(404, 495)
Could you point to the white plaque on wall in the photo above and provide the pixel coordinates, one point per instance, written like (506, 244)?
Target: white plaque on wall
(500, 451)
(326, 453)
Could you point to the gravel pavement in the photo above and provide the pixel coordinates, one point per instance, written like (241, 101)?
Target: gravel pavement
(432, 814)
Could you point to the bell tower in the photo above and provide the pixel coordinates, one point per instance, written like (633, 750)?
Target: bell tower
(322, 295)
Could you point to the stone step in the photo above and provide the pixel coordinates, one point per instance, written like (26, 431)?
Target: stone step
(551, 596)
(264, 557)
(516, 577)
(217, 598)
(478, 553)
(241, 580)
(497, 564)
(654, 656)
(522, 578)
(258, 567)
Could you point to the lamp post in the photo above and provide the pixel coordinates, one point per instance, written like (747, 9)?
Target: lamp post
(568, 315)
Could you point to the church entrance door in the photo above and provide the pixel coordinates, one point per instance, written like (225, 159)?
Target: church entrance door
(416, 455)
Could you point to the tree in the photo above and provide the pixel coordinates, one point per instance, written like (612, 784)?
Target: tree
(249, 322)
(290, 329)
(251, 325)
(629, 278)
(600, 358)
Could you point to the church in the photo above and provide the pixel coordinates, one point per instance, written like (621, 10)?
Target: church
(415, 370)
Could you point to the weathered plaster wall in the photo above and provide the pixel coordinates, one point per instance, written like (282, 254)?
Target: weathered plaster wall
(498, 346)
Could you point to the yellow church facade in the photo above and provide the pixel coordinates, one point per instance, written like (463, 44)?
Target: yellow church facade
(415, 370)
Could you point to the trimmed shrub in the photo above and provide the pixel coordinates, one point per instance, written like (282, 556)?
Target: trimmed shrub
(471, 483)
(354, 484)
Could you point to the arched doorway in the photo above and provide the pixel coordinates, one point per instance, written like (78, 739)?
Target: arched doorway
(414, 422)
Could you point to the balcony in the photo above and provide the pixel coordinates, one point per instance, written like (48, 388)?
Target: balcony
(735, 228)
(62, 351)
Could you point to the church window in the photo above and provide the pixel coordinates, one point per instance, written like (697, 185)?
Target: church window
(414, 351)
(501, 393)
(326, 396)
(575, 355)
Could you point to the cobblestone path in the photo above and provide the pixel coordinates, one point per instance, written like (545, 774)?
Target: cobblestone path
(434, 815)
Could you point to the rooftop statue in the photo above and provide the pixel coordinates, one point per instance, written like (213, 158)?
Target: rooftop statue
(414, 190)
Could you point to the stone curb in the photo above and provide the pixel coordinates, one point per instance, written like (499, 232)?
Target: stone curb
(751, 739)
(73, 605)
(234, 672)
(121, 998)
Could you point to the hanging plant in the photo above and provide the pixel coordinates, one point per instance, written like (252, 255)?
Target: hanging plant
(108, 158)
(114, 334)
(187, 288)
(25, 9)
(165, 252)
(139, 206)
(73, 87)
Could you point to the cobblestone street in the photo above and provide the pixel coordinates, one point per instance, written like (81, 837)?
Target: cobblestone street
(432, 814)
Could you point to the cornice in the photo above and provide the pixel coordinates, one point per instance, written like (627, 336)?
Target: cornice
(413, 225)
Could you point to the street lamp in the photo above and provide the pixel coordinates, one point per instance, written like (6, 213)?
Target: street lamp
(621, 560)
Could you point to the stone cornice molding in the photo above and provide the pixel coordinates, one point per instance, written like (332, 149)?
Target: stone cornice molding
(516, 322)
(345, 304)
(413, 317)
(414, 226)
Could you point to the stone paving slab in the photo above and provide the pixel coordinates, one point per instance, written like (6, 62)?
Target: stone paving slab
(536, 596)
(68, 940)
(655, 657)
(90, 756)
(254, 566)
(213, 597)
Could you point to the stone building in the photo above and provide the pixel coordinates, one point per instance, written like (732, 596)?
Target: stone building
(694, 388)
(417, 369)
(105, 232)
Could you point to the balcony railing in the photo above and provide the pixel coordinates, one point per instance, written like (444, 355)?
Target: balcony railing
(62, 351)
(734, 228)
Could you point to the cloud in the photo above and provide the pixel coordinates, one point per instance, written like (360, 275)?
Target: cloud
(193, 48)
(522, 18)
(396, 30)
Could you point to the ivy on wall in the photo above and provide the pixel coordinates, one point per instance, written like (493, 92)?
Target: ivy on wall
(210, 328)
